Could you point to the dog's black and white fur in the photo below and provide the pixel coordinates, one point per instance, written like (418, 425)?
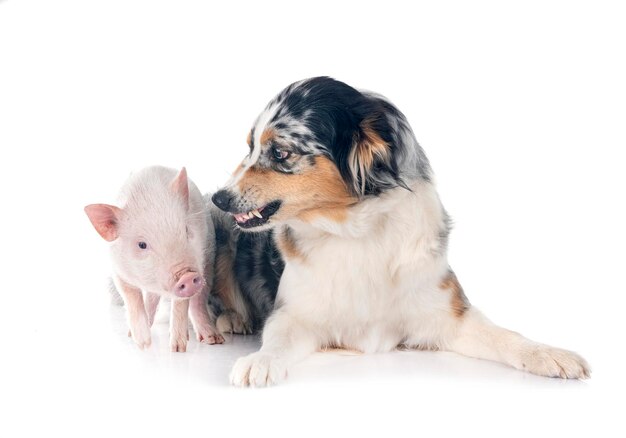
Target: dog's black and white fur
(338, 175)
(247, 270)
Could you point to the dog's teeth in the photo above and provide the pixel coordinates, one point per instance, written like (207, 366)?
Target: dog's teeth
(250, 215)
(257, 214)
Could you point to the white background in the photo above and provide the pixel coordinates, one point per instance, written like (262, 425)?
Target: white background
(520, 108)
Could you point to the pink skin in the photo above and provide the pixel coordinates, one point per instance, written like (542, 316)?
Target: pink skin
(189, 291)
(136, 312)
(201, 319)
(104, 219)
(151, 304)
(179, 323)
(188, 285)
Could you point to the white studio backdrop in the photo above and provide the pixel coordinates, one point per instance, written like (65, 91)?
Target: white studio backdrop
(519, 106)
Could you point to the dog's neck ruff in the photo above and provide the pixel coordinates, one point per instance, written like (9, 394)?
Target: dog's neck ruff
(418, 209)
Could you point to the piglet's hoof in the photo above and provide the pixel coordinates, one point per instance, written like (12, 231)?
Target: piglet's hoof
(209, 336)
(178, 344)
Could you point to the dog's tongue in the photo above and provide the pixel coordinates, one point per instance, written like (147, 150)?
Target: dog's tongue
(241, 217)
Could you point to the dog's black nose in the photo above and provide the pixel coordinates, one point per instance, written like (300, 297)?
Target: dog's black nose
(222, 199)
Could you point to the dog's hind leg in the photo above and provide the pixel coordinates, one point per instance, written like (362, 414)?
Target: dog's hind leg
(236, 316)
(230, 321)
(478, 337)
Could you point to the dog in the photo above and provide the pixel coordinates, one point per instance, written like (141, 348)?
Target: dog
(247, 271)
(340, 178)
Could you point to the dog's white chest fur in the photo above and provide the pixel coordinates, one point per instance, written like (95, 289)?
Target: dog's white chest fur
(357, 284)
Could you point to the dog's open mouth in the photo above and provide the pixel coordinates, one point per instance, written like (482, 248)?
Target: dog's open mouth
(258, 216)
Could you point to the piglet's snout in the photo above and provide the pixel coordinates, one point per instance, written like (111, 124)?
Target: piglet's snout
(188, 285)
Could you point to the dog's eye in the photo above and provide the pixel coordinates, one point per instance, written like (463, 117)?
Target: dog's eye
(142, 245)
(280, 154)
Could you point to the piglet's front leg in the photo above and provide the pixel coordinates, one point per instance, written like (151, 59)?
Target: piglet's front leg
(179, 325)
(135, 312)
(152, 303)
(203, 319)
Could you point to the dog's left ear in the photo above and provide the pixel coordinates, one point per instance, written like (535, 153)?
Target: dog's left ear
(370, 155)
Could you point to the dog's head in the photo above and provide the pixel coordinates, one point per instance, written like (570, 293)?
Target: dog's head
(318, 148)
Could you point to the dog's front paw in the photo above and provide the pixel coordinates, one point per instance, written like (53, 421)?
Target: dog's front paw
(258, 369)
(140, 332)
(232, 322)
(555, 362)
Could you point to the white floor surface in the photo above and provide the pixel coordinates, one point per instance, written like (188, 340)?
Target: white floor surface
(98, 383)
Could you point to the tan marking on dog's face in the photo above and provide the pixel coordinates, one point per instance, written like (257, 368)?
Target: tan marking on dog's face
(317, 191)
(338, 215)
(458, 301)
(288, 245)
(267, 135)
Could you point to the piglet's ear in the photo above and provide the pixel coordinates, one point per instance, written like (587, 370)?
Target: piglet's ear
(105, 219)
(180, 185)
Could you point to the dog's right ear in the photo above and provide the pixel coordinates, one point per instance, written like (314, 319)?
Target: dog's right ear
(105, 219)
(369, 160)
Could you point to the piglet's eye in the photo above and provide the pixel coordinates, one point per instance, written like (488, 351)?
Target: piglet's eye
(142, 245)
